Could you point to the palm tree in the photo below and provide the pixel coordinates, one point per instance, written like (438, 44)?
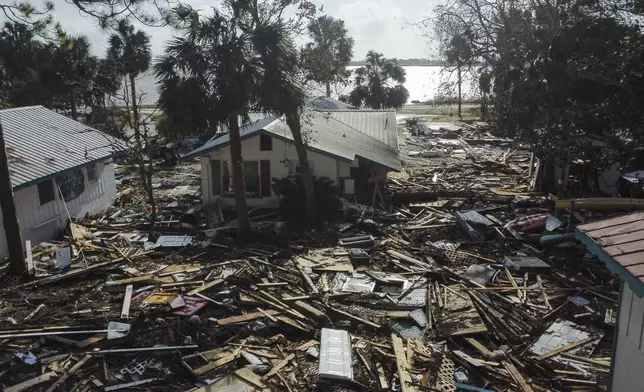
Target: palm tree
(74, 66)
(379, 84)
(130, 54)
(281, 93)
(213, 58)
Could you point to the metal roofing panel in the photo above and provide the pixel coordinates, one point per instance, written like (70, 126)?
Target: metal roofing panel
(380, 125)
(323, 133)
(41, 143)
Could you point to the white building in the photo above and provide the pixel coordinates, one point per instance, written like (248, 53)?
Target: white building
(354, 145)
(58, 166)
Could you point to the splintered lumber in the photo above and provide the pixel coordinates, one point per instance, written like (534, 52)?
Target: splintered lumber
(356, 318)
(565, 348)
(269, 316)
(219, 362)
(409, 259)
(586, 360)
(205, 287)
(273, 301)
(71, 371)
(303, 306)
(481, 348)
(247, 375)
(246, 317)
(382, 379)
(279, 366)
(306, 278)
(401, 364)
(517, 377)
(27, 385)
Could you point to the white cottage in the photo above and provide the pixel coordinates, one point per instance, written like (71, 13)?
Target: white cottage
(352, 147)
(58, 166)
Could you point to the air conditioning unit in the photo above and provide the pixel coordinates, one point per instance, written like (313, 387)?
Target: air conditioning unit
(349, 187)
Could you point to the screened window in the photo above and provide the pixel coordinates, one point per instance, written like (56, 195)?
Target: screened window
(251, 178)
(72, 184)
(46, 192)
(92, 175)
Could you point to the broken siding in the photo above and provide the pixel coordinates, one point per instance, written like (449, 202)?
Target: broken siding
(43, 222)
(629, 350)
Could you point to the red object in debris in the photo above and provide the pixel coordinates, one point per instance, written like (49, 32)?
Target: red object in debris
(193, 305)
(528, 223)
(150, 209)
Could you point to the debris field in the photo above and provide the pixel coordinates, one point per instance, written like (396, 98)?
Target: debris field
(441, 285)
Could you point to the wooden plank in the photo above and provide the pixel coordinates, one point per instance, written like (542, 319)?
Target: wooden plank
(303, 306)
(245, 317)
(619, 239)
(365, 364)
(127, 300)
(279, 366)
(612, 222)
(630, 259)
(621, 249)
(219, 362)
(29, 258)
(617, 230)
(401, 364)
(306, 278)
(205, 286)
(262, 353)
(543, 293)
(409, 259)
(517, 377)
(565, 348)
(71, 371)
(356, 318)
(247, 375)
(27, 385)
(268, 315)
(382, 379)
(481, 348)
(591, 361)
(637, 270)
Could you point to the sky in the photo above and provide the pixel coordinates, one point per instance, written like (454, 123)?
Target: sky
(387, 26)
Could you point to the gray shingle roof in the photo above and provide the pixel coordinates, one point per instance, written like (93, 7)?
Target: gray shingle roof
(324, 134)
(41, 143)
(324, 103)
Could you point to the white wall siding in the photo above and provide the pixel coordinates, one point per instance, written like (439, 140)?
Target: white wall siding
(43, 222)
(629, 354)
(281, 157)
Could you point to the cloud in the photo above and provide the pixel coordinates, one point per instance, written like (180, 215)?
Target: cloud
(383, 25)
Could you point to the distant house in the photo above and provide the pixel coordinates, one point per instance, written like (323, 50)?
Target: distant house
(352, 147)
(57, 166)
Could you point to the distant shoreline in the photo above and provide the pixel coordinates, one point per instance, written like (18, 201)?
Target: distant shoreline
(408, 63)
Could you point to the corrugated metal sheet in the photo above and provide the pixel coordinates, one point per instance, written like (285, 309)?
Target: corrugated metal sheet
(380, 125)
(41, 143)
(323, 133)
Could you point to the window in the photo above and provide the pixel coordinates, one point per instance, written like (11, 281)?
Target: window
(46, 192)
(71, 184)
(251, 179)
(91, 172)
(265, 143)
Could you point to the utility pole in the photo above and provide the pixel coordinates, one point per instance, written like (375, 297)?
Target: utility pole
(9, 216)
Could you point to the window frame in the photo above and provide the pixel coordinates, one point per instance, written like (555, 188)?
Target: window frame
(227, 182)
(265, 142)
(94, 170)
(40, 194)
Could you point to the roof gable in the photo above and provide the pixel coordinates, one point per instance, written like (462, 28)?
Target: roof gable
(41, 143)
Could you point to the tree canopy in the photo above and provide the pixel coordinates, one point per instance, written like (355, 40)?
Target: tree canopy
(565, 77)
(325, 60)
(379, 84)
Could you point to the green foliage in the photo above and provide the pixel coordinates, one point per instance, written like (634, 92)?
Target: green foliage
(563, 77)
(325, 59)
(379, 84)
(292, 193)
(129, 51)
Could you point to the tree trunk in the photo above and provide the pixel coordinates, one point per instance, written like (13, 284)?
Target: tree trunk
(238, 177)
(460, 81)
(328, 89)
(484, 107)
(135, 111)
(72, 101)
(293, 122)
(9, 215)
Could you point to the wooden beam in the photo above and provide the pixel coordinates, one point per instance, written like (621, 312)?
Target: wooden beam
(401, 364)
(127, 299)
(517, 377)
(246, 317)
(279, 366)
(565, 348)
